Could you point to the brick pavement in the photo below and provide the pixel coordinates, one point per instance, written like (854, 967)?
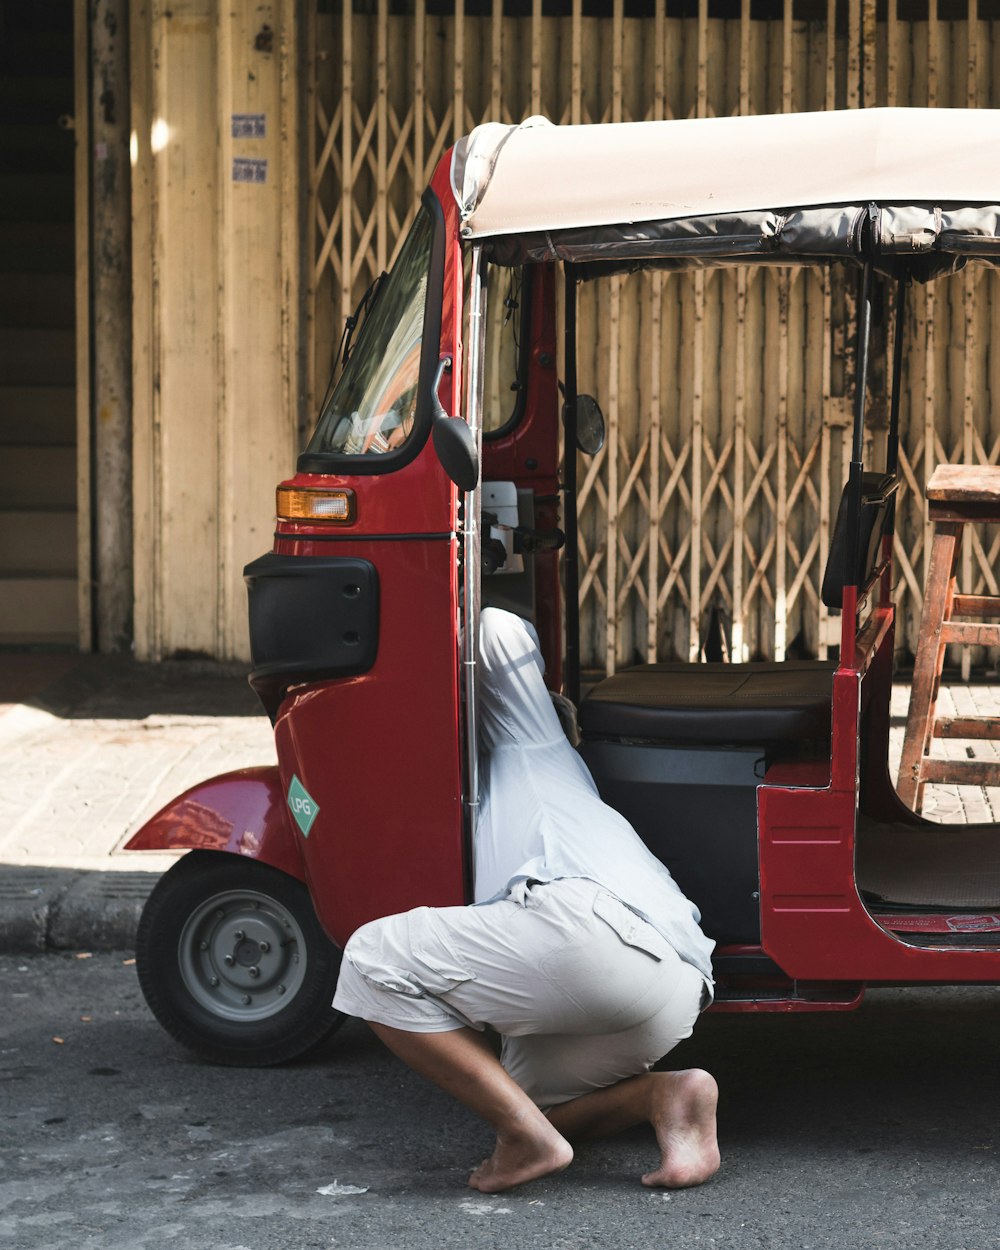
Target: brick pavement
(88, 752)
(79, 779)
(970, 805)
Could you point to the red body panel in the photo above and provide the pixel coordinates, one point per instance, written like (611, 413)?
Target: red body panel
(241, 812)
(814, 924)
(379, 753)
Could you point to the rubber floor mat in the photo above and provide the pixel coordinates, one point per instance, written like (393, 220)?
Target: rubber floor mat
(949, 866)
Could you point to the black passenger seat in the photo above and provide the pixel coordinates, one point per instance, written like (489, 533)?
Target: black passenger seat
(712, 704)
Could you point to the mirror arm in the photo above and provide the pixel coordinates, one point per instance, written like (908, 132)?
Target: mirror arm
(444, 366)
(454, 442)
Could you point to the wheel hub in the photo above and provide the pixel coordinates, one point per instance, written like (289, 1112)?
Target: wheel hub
(247, 953)
(242, 956)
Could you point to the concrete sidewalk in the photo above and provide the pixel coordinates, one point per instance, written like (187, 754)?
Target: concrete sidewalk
(92, 746)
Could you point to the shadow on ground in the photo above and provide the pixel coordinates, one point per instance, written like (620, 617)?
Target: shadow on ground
(107, 687)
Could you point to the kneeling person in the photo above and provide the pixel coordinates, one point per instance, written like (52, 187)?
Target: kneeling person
(580, 951)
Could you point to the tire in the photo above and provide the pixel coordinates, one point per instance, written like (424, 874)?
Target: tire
(233, 963)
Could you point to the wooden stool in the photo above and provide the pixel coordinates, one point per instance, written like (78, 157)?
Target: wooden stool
(958, 495)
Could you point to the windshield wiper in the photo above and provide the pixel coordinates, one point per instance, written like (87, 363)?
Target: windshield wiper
(365, 305)
(351, 324)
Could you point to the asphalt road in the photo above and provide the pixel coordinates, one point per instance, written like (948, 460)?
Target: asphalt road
(872, 1129)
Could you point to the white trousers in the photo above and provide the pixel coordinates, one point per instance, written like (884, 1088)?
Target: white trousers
(583, 991)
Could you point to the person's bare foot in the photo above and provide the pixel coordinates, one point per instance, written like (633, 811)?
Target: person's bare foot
(682, 1111)
(535, 1152)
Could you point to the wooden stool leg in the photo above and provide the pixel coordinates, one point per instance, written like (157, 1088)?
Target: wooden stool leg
(949, 603)
(930, 658)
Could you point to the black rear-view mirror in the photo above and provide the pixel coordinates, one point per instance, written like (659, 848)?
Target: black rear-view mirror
(453, 440)
(589, 425)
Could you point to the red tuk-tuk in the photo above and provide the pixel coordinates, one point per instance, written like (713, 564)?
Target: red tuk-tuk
(764, 787)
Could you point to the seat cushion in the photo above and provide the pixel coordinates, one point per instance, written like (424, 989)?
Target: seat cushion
(712, 703)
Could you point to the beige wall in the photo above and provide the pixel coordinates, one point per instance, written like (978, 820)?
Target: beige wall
(215, 311)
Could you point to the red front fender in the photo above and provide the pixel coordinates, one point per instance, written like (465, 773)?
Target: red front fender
(242, 812)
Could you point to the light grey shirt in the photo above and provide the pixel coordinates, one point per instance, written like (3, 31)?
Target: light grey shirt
(541, 817)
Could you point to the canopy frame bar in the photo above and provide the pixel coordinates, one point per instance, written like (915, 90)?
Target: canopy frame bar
(571, 568)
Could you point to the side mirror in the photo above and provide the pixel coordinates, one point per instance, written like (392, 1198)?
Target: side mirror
(456, 449)
(589, 425)
(453, 442)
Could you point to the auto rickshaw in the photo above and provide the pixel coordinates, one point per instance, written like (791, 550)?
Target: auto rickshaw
(764, 787)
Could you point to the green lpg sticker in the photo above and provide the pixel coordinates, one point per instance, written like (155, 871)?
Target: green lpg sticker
(302, 805)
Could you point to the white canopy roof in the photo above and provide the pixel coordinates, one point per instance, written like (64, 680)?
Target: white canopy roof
(541, 177)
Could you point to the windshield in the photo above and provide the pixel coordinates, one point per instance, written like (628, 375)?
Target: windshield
(374, 404)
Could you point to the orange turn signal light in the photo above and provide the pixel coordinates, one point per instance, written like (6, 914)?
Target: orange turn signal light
(320, 505)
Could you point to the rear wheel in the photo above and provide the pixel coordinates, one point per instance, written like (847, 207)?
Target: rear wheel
(233, 962)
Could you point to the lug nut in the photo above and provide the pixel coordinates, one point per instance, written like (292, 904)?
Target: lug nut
(213, 981)
(246, 1000)
(265, 947)
(254, 971)
(229, 961)
(281, 989)
(203, 946)
(239, 935)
